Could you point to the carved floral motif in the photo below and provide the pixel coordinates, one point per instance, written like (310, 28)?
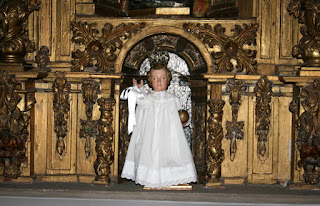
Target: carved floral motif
(214, 152)
(234, 128)
(13, 126)
(232, 54)
(61, 107)
(100, 52)
(88, 129)
(308, 13)
(308, 126)
(14, 41)
(263, 93)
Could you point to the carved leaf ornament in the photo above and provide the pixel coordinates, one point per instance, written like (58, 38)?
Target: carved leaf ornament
(100, 51)
(231, 47)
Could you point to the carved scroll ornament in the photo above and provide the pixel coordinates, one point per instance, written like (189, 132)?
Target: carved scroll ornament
(14, 41)
(61, 106)
(308, 125)
(232, 54)
(88, 129)
(214, 152)
(308, 13)
(263, 93)
(100, 52)
(104, 142)
(234, 128)
(13, 126)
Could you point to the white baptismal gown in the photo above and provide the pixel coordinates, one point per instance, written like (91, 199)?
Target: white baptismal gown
(158, 153)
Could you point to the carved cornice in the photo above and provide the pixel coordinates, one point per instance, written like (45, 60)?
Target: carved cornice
(232, 54)
(14, 41)
(100, 52)
(234, 128)
(308, 13)
(263, 92)
(61, 107)
(13, 126)
(214, 152)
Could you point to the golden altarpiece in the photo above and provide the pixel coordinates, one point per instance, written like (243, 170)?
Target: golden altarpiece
(254, 76)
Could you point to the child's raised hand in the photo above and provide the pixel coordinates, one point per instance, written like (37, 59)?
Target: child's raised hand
(135, 83)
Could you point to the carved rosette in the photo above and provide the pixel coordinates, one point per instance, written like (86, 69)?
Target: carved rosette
(13, 126)
(263, 92)
(104, 141)
(308, 126)
(100, 52)
(88, 129)
(308, 13)
(234, 128)
(61, 107)
(214, 152)
(232, 54)
(14, 41)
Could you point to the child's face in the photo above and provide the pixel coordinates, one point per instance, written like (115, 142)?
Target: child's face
(159, 80)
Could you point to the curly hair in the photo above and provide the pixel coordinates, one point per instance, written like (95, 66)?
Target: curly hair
(158, 67)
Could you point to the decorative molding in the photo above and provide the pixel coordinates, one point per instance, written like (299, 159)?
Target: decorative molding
(104, 141)
(308, 140)
(13, 126)
(61, 107)
(307, 12)
(263, 92)
(232, 54)
(234, 128)
(89, 129)
(14, 41)
(100, 52)
(214, 152)
(42, 58)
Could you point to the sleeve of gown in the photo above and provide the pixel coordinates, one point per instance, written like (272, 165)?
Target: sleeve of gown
(178, 103)
(134, 95)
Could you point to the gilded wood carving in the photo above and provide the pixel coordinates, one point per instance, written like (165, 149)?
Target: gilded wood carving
(14, 41)
(104, 141)
(232, 54)
(308, 126)
(124, 137)
(100, 52)
(214, 152)
(234, 128)
(88, 129)
(61, 107)
(42, 58)
(307, 12)
(263, 93)
(13, 126)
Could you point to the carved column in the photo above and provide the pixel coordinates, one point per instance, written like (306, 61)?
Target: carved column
(104, 142)
(307, 12)
(14, 41)
(214, 152)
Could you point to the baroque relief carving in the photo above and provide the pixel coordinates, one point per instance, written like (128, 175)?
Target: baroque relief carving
(104, 141)
(232, 54)
(42, 58)
(214, 152)
(88, 129)
(234, 128)
(100, 51)
(263, 93)
(308, 126)
(307, 12)
(124, 137)
(61, 107)
(14, 41)
(13, 126)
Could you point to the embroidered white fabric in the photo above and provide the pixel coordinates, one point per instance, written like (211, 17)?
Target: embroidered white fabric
(163, 177)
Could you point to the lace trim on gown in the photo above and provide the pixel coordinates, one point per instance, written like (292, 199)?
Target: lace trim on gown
(163, 177)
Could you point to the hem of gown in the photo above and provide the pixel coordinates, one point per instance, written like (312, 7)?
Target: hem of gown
(150, 177)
